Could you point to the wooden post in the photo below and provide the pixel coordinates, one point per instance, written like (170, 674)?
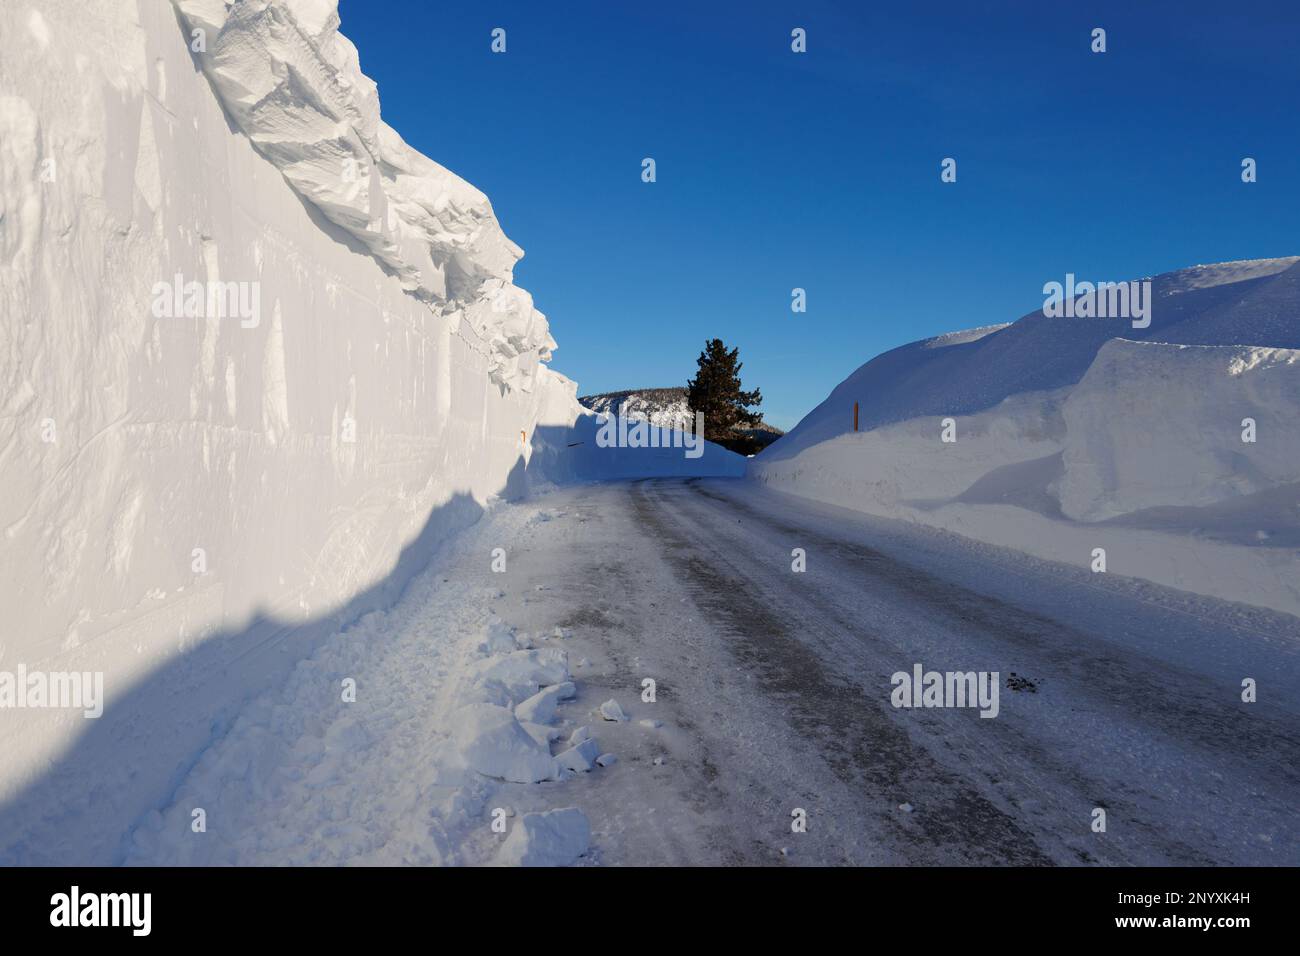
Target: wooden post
(855, 416)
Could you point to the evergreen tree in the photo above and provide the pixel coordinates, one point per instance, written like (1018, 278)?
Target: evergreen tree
(716, 392)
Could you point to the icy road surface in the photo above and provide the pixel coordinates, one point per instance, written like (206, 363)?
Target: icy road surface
(773, 695)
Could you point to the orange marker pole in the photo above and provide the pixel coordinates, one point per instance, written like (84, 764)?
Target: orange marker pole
(855, 416)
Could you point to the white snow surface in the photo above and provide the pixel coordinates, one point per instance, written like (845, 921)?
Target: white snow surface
(1077, 434)
(663, 407)
(1154, 425)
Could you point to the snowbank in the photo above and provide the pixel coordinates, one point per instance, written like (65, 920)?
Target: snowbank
(1251, 303)
(294, 85)
(1155, 425)
(1180, 459)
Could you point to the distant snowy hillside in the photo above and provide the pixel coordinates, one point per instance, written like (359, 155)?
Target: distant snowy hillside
(665, 407)
(1176, 448)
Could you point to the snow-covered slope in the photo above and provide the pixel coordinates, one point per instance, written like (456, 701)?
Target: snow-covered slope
(1241, 303)
(258, 359)
(664, 407)
(1179, 455)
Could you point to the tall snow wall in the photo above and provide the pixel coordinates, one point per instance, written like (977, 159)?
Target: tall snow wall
(259, 359)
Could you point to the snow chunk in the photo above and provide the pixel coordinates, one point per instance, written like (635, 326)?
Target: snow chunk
(523, 673)
(579, 759)
(541, 733)
(540, 708)
(553, 838)
(611, 711)
(492, 742)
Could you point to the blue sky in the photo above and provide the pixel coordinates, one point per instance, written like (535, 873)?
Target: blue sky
(821, 170)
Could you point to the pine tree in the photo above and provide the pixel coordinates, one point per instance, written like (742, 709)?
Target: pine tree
(716, 392)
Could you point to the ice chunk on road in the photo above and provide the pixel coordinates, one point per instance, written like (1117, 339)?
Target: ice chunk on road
(553, 838)
(492, 742)
(611, 711)
(541, 733)
(523, 673)
(540, 708)
(580, 758)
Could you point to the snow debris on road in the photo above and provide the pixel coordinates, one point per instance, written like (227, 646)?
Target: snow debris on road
(449, 730)
(554, 838)
(610, 710)
(541, 707)
(579, 758)
(493, 743)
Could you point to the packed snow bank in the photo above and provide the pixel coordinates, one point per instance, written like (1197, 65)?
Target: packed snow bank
(238, 409)
(1181, 461)
(1249, 303)
(1155, 425)
(294, 85)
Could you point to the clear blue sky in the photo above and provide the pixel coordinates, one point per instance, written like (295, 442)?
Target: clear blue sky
(821, 170)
